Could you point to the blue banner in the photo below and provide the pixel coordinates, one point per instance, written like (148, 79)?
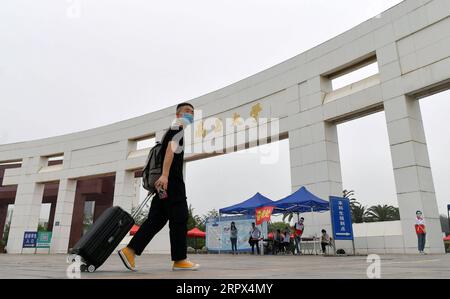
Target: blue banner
(29, 239)
(341, 218)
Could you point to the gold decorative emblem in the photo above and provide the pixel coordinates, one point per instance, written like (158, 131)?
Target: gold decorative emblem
(256, 110)
(218, 126)
(236, 119)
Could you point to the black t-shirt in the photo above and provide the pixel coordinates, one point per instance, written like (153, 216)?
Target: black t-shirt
(176, 188)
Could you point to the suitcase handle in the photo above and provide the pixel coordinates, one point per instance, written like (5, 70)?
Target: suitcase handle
(142, 205)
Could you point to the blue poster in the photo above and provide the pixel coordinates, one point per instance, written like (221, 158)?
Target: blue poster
(29, 239)
(341, 218)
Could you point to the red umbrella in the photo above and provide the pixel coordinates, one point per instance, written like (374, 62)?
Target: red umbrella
(196, 233)
(447, 238)
(134, 230)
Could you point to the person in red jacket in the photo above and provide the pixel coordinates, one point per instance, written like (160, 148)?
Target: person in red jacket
(420, 231)
(299, 228)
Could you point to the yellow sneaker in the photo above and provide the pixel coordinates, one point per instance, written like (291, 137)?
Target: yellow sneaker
(127, 257)
(185, 265)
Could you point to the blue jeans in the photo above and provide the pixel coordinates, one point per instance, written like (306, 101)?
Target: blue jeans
(421, 241)
(233, 244)
(297, 243)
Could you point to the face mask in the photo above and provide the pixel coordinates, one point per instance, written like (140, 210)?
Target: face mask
(189, 118)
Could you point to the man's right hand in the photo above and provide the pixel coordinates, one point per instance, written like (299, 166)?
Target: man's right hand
(162, 182)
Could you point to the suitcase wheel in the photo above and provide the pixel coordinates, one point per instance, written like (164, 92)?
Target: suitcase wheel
(87, 268)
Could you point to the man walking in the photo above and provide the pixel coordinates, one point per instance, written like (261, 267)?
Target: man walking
(169, 204)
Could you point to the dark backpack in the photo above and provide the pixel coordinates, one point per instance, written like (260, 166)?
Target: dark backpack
(153, 167)
(340, 251)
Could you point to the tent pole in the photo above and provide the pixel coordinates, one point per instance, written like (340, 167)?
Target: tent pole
(220, 235)
(314, 236)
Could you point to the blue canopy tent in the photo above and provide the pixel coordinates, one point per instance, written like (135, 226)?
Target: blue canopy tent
(248, 206)
(301, 201)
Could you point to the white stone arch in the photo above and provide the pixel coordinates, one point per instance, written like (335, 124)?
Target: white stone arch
(410, 45)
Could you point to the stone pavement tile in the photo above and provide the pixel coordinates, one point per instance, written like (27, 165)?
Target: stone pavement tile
(233, 267)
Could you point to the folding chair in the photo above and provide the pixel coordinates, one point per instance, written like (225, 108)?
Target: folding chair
(329, 246)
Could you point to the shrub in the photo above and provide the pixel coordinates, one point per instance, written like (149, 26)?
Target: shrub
(2, 246)
(447, 246)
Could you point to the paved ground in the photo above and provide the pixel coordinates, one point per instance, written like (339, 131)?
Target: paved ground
(241, 266)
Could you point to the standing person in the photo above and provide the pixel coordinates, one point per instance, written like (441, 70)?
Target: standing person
(299, 228)
(324, 240)
(169, 204)
(233, 237)
(255, 235)
(420, 231)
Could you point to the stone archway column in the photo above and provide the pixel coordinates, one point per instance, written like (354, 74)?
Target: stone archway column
(63, 216)
(412, 172)
(27, 206)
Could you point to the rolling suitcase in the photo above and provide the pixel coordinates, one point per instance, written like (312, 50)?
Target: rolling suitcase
(94, 247)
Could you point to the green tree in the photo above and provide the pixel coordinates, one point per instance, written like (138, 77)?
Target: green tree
(348, 194)
(41, 228)
(382, 213)
(445, 224)
(288, 216)
(193, 220)
(200, 223)
(6, 233)
(353, 202)
(211, 213)
(358, 212)
(273, 226)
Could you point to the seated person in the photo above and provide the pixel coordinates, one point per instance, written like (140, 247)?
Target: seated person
(286, 240)
(324, 240)
(277, 241)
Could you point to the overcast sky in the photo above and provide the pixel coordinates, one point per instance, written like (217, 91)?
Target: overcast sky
(72, 65)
